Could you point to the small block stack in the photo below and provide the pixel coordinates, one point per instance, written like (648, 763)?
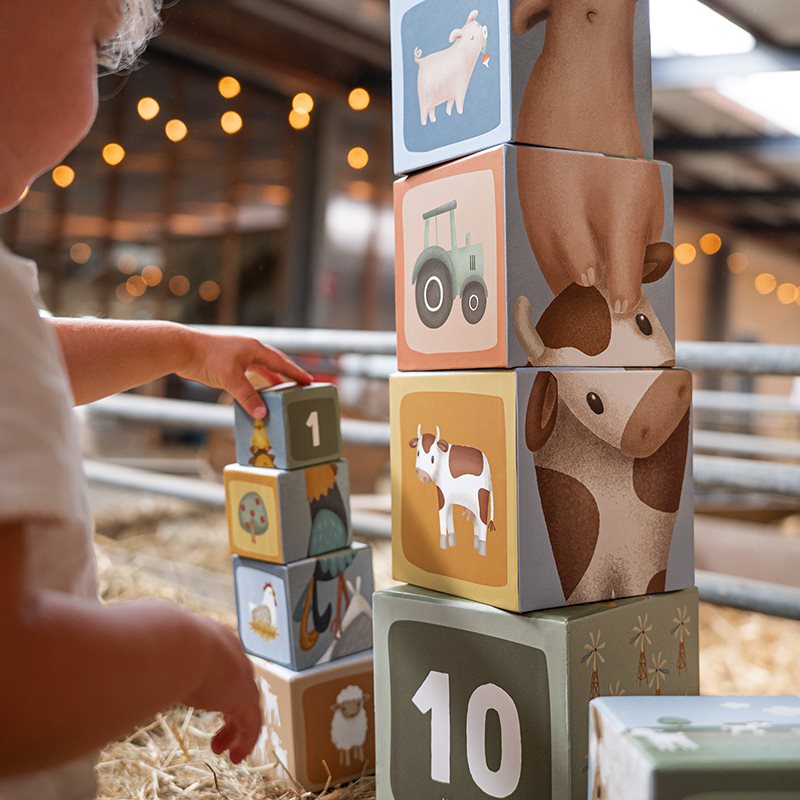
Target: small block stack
(303, 589)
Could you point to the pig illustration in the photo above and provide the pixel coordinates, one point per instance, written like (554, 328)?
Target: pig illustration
(580, 94)
(591, 218)
(445, 75)
(578, 329)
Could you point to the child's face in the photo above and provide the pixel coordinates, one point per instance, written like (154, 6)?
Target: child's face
(48, 95)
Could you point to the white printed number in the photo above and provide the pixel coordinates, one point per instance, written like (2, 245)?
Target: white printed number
(313, 423)
(434, 696)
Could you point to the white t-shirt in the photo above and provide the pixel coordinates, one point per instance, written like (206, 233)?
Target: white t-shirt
(42, 483)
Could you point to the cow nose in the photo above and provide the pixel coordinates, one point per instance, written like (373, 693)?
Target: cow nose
(423, 476)
(658, 413)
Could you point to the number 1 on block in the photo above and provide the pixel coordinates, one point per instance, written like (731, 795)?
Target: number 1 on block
(434, 696)
(313, 423)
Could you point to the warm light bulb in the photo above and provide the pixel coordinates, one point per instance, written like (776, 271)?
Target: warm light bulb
(152, 275)
(176, 130)
(358, 158)
(710, 243)
(765, 283)
(358, 99)
(63, 176)
(685, 253)
(738, 263)
(231, 122)
(209, 291)
(80, 253)
(179, 285)
(113, 153)
(136, 285)
(303, 102)
(788, 293)
(148, 108)
(299, 119)
(229, 87)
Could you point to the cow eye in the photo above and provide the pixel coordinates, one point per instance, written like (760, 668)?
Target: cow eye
(595, 403)
(644, 324)
(431, 459)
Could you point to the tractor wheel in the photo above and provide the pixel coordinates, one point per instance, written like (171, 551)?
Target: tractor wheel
(434, 294)
(473, 302)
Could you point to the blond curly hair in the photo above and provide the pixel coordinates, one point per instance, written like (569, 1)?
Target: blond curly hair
(140, 21)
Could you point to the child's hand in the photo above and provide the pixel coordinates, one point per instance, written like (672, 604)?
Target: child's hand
(221, 361)
(228, 687)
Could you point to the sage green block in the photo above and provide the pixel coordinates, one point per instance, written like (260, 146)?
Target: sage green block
(474, 702)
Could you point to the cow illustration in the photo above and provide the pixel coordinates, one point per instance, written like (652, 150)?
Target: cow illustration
(580, 93)
(591, 220)
(578, 328)
(444, 76)
(462, 478)
(609, 450)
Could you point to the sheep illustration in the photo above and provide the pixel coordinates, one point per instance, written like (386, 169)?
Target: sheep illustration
(349, 724)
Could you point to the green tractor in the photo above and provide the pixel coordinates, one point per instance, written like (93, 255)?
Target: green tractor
(441, 275)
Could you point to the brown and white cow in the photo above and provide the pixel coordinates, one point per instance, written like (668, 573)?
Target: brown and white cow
(577, 329)
(462, 478)
(610, 450)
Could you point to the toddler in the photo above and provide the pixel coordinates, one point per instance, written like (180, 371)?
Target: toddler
(75, 674)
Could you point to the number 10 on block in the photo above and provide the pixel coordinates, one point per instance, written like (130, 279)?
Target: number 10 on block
(433, 697)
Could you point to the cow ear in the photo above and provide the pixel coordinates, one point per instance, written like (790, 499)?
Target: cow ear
(473, 15)
(658, 259)
(529, 13)
(443, 445)
(456, 34)
(413, 443)
(542, 411)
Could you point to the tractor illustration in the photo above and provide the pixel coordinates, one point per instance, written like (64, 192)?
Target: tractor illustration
(440, 275)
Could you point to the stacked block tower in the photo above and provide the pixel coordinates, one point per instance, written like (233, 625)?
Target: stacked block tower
(303, 589)
(541, 464)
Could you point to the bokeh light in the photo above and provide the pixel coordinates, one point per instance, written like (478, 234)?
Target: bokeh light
(122, 293)
(147, 108)
(765, 283)
(152, 275)
(738, 263)
(231, 122)
(788, 293)
(63, 176)
(358, 99)
(685, 253)
(176, 130)
(179, 285)
(80, 253)
(303, 102)
(358, 158)
(209, 291)
(136, 286)
(127, 263)
(229, 87)
(298, 119)
(113, 153)
(711, 243)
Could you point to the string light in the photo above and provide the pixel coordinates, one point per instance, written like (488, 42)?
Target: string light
(231, 122)
(176, 130)
(127, 263)
(765, 283)
(179, 285)
(123, 295)
(298, 119)
(303, 102)
(209, 291)
(63, 176)
(358, 99)
(113, 154)
(136, 285)
(738, 263)
(152, 275)
(229, 87)
(685, 253)
(788, 294)
(711, 243)
(148, 108)
(80, 253)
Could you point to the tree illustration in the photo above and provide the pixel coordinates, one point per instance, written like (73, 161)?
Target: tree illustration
(591, 658)
(641, 640)
(680, 631)
(658, 672)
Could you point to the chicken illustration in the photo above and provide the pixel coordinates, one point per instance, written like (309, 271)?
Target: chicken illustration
(329, 532)
(260, 446)
(264, 616)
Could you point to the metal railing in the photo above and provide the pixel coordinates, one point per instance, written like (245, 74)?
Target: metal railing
(371, 355)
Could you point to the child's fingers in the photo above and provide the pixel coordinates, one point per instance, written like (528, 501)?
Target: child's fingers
(243, 391)
(273, 378)
(276, 361)
(223, 738)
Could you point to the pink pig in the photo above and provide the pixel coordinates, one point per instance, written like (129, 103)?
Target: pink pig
(445, 75)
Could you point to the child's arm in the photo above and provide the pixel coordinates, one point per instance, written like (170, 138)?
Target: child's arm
(108, 356)
(75, 674)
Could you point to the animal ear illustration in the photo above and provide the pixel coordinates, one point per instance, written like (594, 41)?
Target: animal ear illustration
(472, 15)
(528, 13)
(540, 418)
(456, 34)
(658, 259)
(443, 445)
(413, 443)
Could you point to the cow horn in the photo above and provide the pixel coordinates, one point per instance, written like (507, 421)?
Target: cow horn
(438, 436)
(527, 334)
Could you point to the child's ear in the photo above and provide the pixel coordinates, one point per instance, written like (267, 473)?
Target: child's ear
(540, 418)
(529, 13)
(658, 260)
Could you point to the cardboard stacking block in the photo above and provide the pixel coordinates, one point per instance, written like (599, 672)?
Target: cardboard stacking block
(324, 715)
(695, 748)
(307, 612)
(280, 516)
(554, 73)
(301, 428)
(534, 488)
(524, 255)
(474, 702)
